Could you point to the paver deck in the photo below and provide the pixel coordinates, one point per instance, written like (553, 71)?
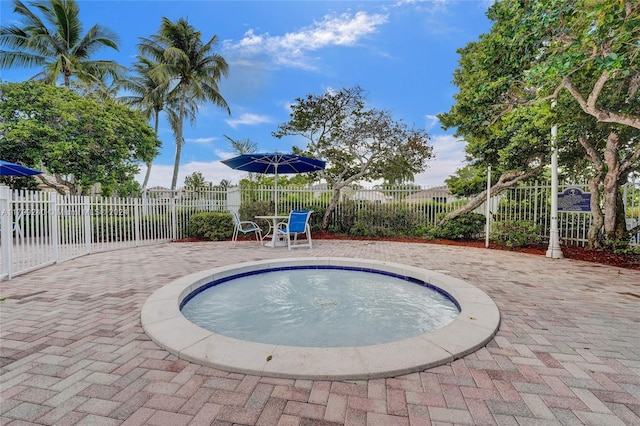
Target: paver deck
(72, 350)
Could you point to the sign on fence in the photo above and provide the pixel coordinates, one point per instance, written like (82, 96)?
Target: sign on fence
(574, 199)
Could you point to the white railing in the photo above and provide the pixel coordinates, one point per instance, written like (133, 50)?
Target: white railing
(40, 228)
(43, 228)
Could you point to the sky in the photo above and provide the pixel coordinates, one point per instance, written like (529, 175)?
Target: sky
(402, 53)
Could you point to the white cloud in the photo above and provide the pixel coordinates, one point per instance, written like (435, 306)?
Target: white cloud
(449, 156)
(225, 154)
(431, 121)
(213, 171)
(448, 150)
(291, 48)
(203, 141)
(248, 119)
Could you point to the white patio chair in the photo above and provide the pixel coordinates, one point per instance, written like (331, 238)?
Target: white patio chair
(298, 224)
(246, 227)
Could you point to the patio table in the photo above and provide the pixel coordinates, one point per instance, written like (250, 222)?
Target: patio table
(275, 240)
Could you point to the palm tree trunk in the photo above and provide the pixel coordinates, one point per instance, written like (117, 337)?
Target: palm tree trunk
(148, 173)
(146, 176)
(179, 138)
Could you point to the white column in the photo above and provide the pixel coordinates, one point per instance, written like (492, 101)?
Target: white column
(554, 251)
(488, 208)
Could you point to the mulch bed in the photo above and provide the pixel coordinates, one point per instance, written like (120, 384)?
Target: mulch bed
(627, 261)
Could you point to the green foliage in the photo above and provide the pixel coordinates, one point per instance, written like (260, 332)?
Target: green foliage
(61, 49)
(315, 221)
(358, 142)
(214, 226)
(465, 227)
(118, 227)
(469, 180)
(386, 221)
(621, 246)
(80, 140)
(195, 182)
(342, 222)
(187, 64)
(515, 233)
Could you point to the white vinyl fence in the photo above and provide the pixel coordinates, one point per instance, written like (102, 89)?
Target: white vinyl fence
(41, 228)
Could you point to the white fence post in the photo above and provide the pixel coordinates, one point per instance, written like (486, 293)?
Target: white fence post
(234, 199)
(174, 219)
(88, 224)
(136, 220)
(6, 231)
(488, 209)
(54, 224)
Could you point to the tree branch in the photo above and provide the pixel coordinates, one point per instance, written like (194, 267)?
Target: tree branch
(589, 105)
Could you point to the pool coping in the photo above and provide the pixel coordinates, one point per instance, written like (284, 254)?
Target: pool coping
(477, 323)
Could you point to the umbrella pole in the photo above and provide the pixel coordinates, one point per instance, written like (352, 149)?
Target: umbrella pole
(275, 196)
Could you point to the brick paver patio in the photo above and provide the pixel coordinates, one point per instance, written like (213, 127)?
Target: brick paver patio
(567, 352)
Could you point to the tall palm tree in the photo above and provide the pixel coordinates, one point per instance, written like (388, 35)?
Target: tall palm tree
(189, 70)
(150, 97)
(146, 95)
(60, 49)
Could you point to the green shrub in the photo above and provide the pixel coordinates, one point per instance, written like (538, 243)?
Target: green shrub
(316, 218)
(466, 227)
(621, 246)
(214, 226)
(515, 233)
(386, 221)
(344, 217)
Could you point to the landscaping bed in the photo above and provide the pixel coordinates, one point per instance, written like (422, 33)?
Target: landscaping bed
(629, 261)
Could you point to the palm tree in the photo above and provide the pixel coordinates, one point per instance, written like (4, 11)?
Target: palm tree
(242, 147)
(188, 69)
(150, 97)
(60, 49)
(147, 95)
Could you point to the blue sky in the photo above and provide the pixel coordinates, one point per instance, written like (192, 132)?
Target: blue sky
(402, 53)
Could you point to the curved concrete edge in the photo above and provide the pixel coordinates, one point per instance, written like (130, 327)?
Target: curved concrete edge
(476, 325)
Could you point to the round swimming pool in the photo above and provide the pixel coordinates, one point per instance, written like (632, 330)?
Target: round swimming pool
(320, 306)
(476, 323)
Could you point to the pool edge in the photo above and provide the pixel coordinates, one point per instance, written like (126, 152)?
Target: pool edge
(476, 325)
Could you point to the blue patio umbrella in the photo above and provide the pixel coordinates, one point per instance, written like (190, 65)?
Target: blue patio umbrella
(275, 163)
(12, 169)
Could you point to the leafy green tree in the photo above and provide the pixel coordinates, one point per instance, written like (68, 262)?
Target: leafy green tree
(195, 182)
(188, 70)
(358, 143)
(591, 54)
(56, 43)
(582, 53)
(80, 141)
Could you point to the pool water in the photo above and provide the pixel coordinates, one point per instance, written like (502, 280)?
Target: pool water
(320, 307)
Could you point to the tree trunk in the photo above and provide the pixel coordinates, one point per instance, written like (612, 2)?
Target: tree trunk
(594, 239)
(621, 232)
(507, 180)
(179, 139)
(611, 189)
(331, 208)
(148, 173)
(593, 235)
